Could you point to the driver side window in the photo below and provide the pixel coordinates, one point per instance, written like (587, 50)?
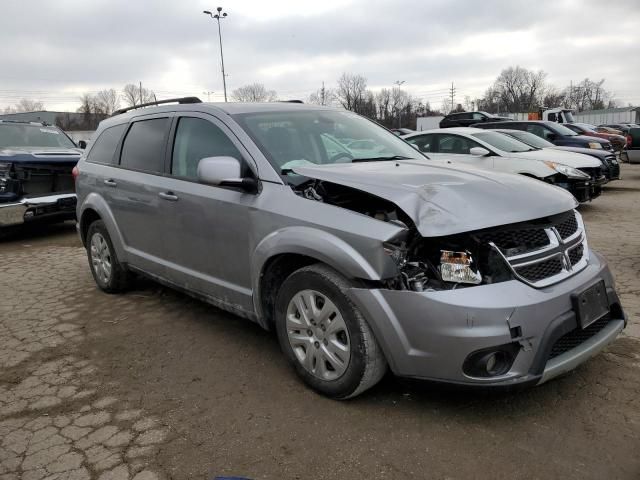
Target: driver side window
(455, 144)
(423, 142)
(196, 139)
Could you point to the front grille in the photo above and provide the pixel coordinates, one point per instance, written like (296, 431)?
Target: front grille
(524, 240)
(594, 173)
(540, 271)
(576, 254)
(614, 168)
(40, 179)
(577, 337)
(567, 227)
(542, 255)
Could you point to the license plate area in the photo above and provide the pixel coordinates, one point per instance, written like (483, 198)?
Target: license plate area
(591, 304)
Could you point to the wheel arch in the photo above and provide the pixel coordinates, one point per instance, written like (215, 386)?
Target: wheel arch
(93, 208)
(284, 251)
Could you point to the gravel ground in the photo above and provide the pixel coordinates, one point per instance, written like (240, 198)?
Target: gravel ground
(153, 384)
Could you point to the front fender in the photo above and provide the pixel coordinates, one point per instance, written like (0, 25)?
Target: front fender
(95, 202)
(324, 247)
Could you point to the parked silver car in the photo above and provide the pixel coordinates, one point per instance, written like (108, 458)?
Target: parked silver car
(439, 272)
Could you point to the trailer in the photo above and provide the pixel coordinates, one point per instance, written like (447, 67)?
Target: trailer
(428, 123)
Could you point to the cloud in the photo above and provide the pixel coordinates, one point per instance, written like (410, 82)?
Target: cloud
(57, 50)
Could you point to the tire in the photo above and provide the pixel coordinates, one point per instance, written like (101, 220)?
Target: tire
(314, 339)
(101, 254)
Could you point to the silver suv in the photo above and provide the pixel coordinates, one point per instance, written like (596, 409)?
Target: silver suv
(357, 249)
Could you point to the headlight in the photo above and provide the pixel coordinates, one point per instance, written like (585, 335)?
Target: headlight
(567, 171)
(595, 145)
(456, 267)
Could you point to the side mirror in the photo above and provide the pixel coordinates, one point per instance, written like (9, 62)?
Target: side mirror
(82, 144)
(479, 151)
(224, 172)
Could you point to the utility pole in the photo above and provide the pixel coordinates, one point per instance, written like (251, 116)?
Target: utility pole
(452, 93)
(399, 84)
(322, 95)
(141, 102)
(208, 94)
(218, 16)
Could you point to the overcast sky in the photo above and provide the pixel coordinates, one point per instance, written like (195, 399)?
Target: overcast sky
(55, 50)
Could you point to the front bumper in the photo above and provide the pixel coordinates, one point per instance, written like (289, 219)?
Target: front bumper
(429, 335)
(37, 208)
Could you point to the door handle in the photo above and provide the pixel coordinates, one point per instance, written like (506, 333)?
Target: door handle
(168, 196)
(110, 183)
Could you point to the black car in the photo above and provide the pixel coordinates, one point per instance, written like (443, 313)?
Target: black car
(553, 132)
(36, 174)
(466, 119)
(610, 164)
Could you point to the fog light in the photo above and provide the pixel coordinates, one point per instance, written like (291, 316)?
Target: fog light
(491, 362)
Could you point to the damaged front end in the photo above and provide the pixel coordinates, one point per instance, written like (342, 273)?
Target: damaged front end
(537, 252)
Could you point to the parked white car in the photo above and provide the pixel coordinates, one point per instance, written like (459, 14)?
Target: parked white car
(580, 174)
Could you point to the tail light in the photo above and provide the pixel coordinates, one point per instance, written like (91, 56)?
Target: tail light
(629, 141)
(75, 173)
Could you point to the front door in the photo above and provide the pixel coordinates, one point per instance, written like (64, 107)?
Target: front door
(207, 245)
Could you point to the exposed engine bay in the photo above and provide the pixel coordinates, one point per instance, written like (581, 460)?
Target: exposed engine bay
(420, 260)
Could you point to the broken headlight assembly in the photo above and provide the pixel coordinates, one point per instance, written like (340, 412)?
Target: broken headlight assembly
(458, 267)
(567, 171)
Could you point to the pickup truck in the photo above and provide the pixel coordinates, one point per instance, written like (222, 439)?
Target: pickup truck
(36, 179)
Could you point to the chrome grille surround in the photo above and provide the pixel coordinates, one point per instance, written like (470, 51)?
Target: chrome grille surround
(546, 259)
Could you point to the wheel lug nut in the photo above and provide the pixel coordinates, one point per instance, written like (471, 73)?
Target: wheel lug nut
(323, 327)
(317, 344)
(310, 333)
(325, 342)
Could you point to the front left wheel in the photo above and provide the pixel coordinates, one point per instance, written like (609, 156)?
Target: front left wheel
(109, 274)
(325, 336)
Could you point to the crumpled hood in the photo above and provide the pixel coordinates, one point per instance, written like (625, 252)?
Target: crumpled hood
(444, 200)
(575, 160)
(46, 155)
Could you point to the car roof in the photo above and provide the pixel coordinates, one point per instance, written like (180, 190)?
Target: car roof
(229, 108)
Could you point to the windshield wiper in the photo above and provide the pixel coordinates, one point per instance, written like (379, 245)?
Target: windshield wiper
(381, 159)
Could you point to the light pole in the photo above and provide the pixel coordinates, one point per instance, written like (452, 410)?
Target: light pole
(208, 94)
(218, 16)
(399, 84)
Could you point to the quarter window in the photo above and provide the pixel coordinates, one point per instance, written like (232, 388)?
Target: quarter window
(103, 150)
(143, 147)
(196, 139)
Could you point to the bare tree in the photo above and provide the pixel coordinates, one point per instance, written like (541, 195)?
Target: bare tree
(254, 92)
(133, 95)
(323, 96)
(28, 105)
(351, 91)
(107, 101)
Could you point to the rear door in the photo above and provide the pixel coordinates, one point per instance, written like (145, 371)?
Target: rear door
(137, 187)
(208, 228)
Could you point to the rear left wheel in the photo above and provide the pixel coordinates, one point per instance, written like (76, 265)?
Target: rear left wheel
(109, 274)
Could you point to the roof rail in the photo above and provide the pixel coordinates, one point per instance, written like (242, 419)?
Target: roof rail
(159, 102)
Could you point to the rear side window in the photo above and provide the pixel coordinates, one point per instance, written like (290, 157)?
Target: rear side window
(197, 139)
(143, 147)
(423, 142)
(103, 150)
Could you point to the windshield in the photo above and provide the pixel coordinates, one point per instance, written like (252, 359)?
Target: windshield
(568, 116)
(529, 139)
(19, 135)
(321, 137)
(502, 142)
(564, 131)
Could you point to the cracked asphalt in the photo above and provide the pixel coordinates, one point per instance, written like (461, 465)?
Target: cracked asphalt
(155, 385)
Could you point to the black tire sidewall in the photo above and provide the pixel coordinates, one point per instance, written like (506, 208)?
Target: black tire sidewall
(311, 280)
